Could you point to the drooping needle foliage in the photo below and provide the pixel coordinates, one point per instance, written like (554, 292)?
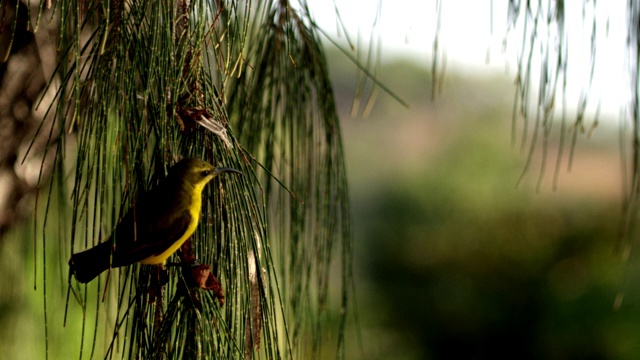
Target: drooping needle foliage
(141, 84)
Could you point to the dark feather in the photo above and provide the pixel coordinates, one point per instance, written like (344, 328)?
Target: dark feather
(139, 235)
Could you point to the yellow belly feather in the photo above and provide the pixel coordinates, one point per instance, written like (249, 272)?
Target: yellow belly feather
(194, 209)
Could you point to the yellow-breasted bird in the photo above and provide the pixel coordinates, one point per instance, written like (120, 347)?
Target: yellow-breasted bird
(156, 226)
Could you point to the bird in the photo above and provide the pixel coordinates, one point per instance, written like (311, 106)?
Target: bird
(160, 221)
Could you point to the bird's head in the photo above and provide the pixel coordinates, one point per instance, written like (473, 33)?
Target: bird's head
(197, 172)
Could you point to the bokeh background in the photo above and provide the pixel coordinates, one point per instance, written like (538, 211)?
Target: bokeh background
(460, 252)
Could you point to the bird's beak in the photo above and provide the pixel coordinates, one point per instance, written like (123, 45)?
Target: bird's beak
(221, 170)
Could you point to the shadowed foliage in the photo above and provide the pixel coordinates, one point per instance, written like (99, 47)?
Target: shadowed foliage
(139, 85)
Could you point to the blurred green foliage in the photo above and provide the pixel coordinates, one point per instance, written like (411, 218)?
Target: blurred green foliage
(454, 261)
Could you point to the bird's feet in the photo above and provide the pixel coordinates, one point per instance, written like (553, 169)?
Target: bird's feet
(158, 281)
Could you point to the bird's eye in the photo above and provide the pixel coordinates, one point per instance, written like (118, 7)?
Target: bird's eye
(206, 173)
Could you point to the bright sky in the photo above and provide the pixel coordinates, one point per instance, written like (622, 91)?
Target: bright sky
(407, 28)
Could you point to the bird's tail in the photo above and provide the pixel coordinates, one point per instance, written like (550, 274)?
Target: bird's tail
(88, 264)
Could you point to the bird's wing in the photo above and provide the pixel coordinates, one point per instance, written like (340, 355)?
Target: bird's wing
(151, 237)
